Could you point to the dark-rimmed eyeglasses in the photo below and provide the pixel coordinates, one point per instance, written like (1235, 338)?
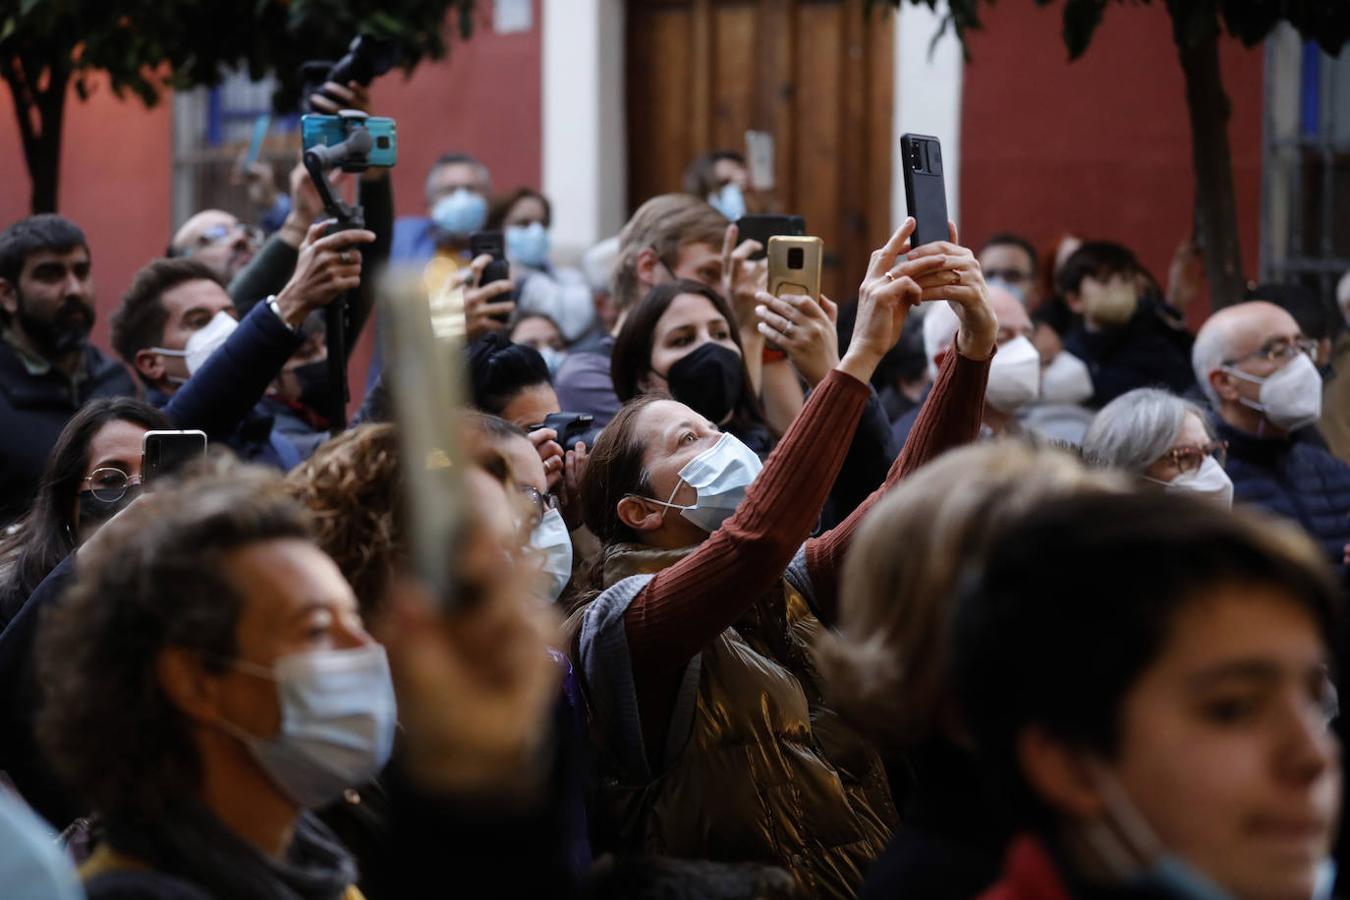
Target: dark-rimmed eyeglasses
(108, 484)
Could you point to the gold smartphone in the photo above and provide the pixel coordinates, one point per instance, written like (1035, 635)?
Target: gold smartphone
(424, 340)
(794, 265)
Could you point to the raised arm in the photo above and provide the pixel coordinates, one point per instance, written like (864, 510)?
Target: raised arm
(950, 417)
(688, 604)
(234, 378)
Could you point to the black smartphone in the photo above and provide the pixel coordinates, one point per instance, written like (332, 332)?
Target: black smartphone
(925, 192)
(762, 227)
(494, 245)
(571, 427)
(165, 452)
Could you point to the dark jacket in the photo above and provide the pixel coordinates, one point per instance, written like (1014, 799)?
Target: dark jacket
(1151, 350)
(1296, 478)
(221, 397)
(20, 757)
(33, 411)
(951, 839)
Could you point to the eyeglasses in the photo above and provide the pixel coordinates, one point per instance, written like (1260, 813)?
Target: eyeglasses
(1279, 350)
(109, 485)
(218, 233)
(542, 502)
(1190, 459)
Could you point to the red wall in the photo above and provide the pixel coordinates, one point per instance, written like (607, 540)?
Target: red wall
(115, 181)
(1101, 146)
(117, 156)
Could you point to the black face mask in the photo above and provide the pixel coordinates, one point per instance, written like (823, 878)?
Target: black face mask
(315, 390)
(95, 512)
(709, 380)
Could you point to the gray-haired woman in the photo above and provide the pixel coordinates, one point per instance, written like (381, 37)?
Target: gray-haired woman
(1164, 440)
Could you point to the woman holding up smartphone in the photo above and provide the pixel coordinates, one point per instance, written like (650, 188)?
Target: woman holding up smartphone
(694, 644)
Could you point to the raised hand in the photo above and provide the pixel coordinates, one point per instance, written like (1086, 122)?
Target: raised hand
(327, 267)
(960, 282)
(484, 311)
(803, 329)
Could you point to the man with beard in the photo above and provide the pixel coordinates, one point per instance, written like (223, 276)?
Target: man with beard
(220, 241)
(47, 366)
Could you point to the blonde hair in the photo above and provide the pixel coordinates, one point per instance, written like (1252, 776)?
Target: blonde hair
(886, 667)
(663, 224)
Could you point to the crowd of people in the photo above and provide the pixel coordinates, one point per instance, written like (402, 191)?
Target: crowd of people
(994, 580)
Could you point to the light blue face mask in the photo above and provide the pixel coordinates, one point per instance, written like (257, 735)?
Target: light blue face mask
(460, 213)
(1017, 290)
(527, 245)
(720, 476)
(729, 201)
(553, 358)
(338, 715)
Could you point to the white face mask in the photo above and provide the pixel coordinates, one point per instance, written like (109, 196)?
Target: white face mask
(720, 476)
(338, 716)
(204, 341)
(1210, 480)
(1066, 381)
(1014, 376)
(1291, 397)
(551, 538)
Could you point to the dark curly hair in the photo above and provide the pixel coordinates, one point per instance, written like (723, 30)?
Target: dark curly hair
(154, 579)
(353, 489)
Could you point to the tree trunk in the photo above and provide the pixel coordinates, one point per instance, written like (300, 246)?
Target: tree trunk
(41, 116)
(1212, 160)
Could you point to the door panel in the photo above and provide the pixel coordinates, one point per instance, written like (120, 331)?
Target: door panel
(814, 73)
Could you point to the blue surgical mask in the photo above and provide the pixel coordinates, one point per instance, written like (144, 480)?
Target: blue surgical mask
(1017, 290)
(720, 476)
(729, 201)
(527, 245)
(338, 715)
(553, 358)
(460, 213)
(551, 538)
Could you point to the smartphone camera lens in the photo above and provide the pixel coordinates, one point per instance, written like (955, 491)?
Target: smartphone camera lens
(382, 142)
(796, 258)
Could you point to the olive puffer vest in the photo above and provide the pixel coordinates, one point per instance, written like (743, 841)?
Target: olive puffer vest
(757, 768)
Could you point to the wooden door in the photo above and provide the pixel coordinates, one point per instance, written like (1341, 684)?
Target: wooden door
(816, 74)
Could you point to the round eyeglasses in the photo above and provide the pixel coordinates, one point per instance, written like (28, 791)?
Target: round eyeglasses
(108, 484)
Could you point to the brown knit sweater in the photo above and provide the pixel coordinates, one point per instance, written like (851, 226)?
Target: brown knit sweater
(688, 604)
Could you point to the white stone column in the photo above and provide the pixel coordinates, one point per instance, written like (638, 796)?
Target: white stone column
(927, 98)
(584, 142)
